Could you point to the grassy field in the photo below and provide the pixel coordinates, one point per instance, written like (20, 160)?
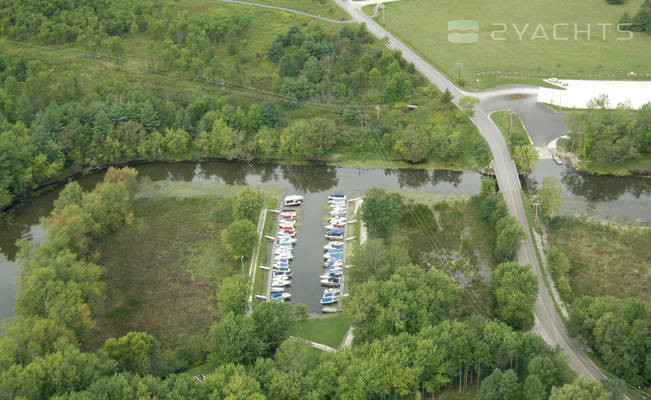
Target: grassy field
(605, 259)
(423, 25)
(163, 271)
(325, 329)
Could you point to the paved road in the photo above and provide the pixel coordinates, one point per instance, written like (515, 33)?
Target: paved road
(542, 123)
(550, 325)
(289, 10)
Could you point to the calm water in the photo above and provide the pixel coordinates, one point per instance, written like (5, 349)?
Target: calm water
(618, 199)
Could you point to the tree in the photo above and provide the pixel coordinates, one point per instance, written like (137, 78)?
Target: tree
(272, 322)
(240, 238)
(525, 157)
(467, 105)
(380, 210)
(135, 352)
(642, 20)
(409, 300)
(509, 236)
(309, 138)
(515, 287)
(546, 371)
(580, 389)
(498, 386)
(247, 205)
(301, 312)
(233, 295)
(414, 145)
(376, 260)
(550, 195)
(235, 339)
(115, 47)
(487, 188)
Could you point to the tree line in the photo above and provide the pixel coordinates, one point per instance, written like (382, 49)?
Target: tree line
(613, 136)
(54, 122)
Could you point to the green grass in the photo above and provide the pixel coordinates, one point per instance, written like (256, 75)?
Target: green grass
(605, 259)
(327, 329)
(501, 119)
(162, 272)
(423, 25)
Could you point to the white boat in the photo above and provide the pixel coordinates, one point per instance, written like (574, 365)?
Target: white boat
(337, 220)
(280, 295)
(331, 290)
(338, 212)
(333, 274)
(333, 263)
(277, 289)
(331, 282)
(286, 240)
(334, 245)
(333, 268)
(334, 254)
(282, 250)
(281, 283)
(287, 224)
(292, 201)
(337, 196)
(335, 226)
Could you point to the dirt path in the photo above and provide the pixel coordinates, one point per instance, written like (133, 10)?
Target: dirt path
(289, 10)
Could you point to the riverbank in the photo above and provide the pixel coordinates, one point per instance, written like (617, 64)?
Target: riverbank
(163, 270)
(336, 160)
(640, 167)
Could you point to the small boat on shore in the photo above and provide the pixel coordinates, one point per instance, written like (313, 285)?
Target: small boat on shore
(293, 201)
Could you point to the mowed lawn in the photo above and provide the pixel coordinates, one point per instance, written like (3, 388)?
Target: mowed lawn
(605, 259)
(325, 329)
(423, 25)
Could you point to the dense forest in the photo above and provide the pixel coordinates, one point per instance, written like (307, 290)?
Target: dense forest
(307, 93)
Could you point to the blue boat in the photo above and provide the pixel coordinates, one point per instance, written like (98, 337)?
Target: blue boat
(330, 298)
(334, 254)
(287, 274)
(335, 232)
(332, 274)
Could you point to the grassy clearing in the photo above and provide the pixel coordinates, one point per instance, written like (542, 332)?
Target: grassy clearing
(325, 329)
(423, 25)
(605, 259)
(163, 271)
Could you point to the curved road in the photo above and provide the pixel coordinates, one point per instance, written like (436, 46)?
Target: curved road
(548, 323)
(289, 10)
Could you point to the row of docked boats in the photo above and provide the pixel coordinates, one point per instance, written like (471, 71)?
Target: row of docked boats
(333, 257)
(283, 253)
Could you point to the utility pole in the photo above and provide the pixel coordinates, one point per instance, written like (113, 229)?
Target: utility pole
(459, 65)
(510, 121)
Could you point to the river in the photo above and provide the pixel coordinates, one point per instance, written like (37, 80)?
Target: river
(616, 199)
